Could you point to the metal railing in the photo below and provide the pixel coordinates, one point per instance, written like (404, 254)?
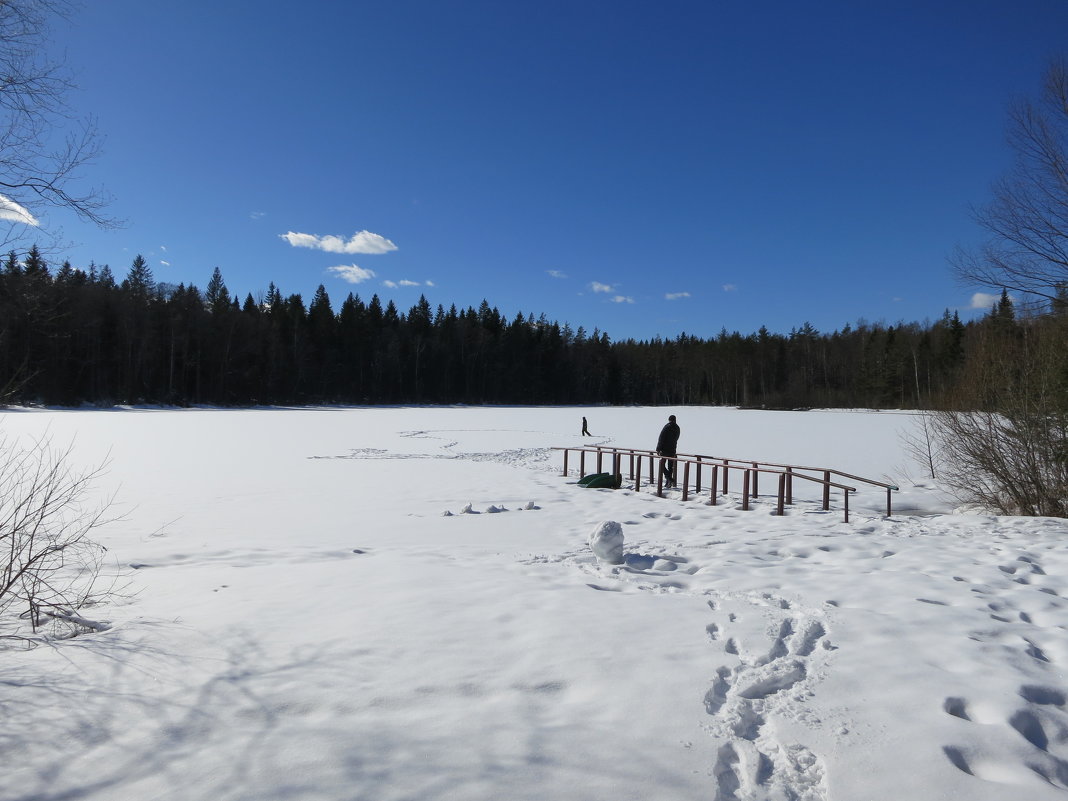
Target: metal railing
(720, 468)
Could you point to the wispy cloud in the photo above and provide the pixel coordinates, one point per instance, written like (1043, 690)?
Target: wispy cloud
(351, 273)
(257, 215)
(361, 242)
(597, 286)
(622, 299)
(984, 300)
(164, 263)
(730, 287)
(556, 273)
(13, 212)
(676, 295)
(405, 282)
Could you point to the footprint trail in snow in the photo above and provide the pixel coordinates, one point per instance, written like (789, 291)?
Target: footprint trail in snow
(755, 690)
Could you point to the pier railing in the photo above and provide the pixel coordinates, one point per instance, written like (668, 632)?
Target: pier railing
(693, 467)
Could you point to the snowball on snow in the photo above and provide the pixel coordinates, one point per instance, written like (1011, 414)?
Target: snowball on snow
(606, 540)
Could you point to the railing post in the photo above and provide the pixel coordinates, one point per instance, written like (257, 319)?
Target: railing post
(751, 471)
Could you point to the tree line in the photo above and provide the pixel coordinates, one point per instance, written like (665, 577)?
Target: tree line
(72, 336)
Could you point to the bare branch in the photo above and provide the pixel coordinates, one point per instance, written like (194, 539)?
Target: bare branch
(48, 563)
(1027, 217)
(35, 175)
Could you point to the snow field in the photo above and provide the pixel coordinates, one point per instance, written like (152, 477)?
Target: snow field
(305, 622)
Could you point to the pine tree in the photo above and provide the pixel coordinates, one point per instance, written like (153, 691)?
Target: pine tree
(374, 312)
(1059, 304)
(139, 283)
(273, 298)
(12, 265)
(217, 296)
(1003, 313)
(106, 279)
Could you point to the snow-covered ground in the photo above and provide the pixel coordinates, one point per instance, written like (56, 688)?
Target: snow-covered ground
(302, 620)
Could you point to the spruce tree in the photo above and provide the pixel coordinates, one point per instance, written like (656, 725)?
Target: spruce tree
(217, 296)
(139, 282)
(12, 265)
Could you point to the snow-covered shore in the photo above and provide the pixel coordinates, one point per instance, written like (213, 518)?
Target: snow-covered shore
(305, 621)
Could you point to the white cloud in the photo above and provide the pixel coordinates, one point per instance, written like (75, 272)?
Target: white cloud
(351, 273)
(676, 295)
(430, 283)
(12, 211)
(163, 248)
(556, 273)
(622, 299)
(984, 300)
(361, 242)
(164, 263)
(597, 286)
(730, 287)
(257, 215)
(406, 282)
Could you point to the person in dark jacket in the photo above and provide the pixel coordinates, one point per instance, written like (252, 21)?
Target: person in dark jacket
(585, 429)
(667, 445)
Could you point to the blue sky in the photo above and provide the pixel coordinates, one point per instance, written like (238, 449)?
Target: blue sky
(644, 168)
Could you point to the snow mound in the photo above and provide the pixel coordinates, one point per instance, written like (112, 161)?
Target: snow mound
(606, 540)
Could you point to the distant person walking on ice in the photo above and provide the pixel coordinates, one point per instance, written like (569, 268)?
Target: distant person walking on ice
(585, 429)
(667, 445)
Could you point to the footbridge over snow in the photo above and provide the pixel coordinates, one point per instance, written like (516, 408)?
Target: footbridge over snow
(691, 469)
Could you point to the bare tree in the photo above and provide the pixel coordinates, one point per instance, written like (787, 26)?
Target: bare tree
(1003, 439)
(1027, 218)
(1004, 443)
(42, 147)
(923, 445)
(49, 565)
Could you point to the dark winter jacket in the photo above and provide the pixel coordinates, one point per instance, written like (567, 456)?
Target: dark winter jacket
(669, 439)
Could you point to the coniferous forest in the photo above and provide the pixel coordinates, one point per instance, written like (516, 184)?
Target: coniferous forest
(81, 336)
